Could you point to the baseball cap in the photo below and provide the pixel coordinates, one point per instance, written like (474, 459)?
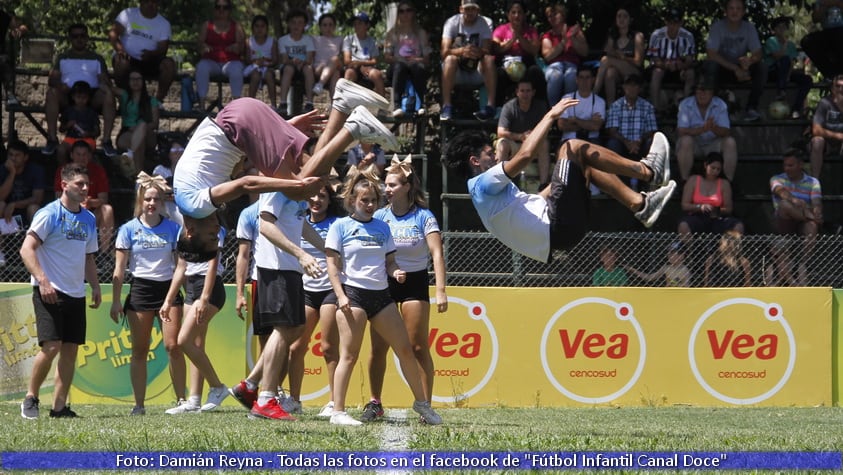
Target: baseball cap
(673, 14)
(362, 16)
(470, 4)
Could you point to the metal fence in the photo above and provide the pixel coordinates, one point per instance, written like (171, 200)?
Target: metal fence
(478, 259)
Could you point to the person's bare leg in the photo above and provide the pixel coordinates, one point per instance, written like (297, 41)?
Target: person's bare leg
(322, 160)
(332, 127)
(603, 159)
(617, 189)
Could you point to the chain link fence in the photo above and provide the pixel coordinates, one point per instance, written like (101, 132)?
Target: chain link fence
(478, 259)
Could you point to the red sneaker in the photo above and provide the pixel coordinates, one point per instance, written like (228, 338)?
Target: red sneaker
(243, 395)
(270, 410)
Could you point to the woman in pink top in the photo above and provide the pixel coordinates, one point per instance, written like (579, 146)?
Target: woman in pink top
(707, 202)
(563, 48)
(517, 41)
(221, 45)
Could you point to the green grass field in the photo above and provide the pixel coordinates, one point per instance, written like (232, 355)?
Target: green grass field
(109, 428)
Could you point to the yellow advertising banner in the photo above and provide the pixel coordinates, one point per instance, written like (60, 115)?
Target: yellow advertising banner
(520, 347)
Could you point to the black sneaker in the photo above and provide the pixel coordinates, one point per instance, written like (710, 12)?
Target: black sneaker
(371, 411)
(66, 412)
(29, 407)
(50, 148)
(108, 149)
(486, 113)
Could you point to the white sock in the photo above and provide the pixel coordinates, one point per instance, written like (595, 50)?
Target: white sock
(264, 397)
(194, 400)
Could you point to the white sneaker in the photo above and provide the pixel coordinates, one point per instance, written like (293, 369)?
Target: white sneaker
(182, 407)
(654, 202)
(318, 88)
(658, 160)
(428, 415)
(421, 111)
(126, 163)
(327, 410)
(215, 398)
(343, 419)
(398, 113)
(348, 95)
(366, 128)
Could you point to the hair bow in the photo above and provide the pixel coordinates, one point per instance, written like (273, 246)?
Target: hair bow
(404, 167)
(147, 181)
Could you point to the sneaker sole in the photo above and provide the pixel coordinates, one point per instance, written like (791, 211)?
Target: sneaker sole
(662, 203)
(383, 136)
(241, 401)
(376, 100)
(252, 415)
(666, 146)
(31, 418)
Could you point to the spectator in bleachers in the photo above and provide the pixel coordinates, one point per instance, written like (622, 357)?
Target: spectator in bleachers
(779, 55)
(407, 50)
(360, 55)
(584, 120)
(78, 121)
(631, 122)
(79, 64)
(174, 151)
(140, 38)
(12, 26)
(675, 272)
(827, 126)
(781, 270)
(364, 154)
(467, 58)
(297, 51)
(703, 127)
(562, 47)
(98, 187)
(734, 54)
(609, 274)
(518, 118)
(624, 55)
(707, 202)
(797, 200)
(727, 267)
(672, 53)
(825, 47)
(517, 41)
(327, 63)
(139, 112)
(262, 51)
(221, 45)
(22, 187)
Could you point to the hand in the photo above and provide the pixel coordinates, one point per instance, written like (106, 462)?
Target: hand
(309, 122)
(310, 265)
(240, 305)
(561, 106)
(10, 167)
(312, 184)
(164, 313)
(96, 297)
(745, 62)
(200, 309)
(441, 301)
(7, 213)
(400, 276)
(48, 293)
(344, 305)
(116, 311)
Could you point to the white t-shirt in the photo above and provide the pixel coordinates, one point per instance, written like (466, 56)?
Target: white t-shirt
(409, 232)
(517, 219)
(151, 249)
(299, 48)
(363, 248)
(142, 33)
(289, 218)
(326, 49)
(322, 282)
(584, 110)
(260, 51)
(66, 240)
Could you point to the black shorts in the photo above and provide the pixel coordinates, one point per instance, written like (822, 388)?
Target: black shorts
(62, 321)
(371, 301)
(280, 298)
(194, 286)
(258, 328)
(416, 287)
(568, 206)
(316, 299)
(146, 295)
(149, 69)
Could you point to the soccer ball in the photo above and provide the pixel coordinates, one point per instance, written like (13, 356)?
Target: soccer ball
(515, 70)
(779, 110)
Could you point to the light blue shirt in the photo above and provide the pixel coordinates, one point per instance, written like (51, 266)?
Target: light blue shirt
(690, 117)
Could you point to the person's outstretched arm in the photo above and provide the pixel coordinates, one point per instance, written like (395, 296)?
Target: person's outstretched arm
(530, 146)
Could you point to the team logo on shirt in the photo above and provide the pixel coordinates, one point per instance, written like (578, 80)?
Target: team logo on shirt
(742, 350)
(74, 230)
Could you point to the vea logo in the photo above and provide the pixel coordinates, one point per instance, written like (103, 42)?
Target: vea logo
(742, 351)
(593, 350)
(464, 360)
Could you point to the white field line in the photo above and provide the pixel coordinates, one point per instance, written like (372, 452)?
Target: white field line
(395, 436)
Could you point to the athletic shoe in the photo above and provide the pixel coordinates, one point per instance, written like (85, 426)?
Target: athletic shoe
(327, 410)
(343, 419)
(421, 112)
(29, 407)
(270, 410)
(108, 149)
(485, 113)
(366, 128)
(126, 164)
(50, 148)
(398, 113)
(11, 99)
(371, 411)
(349, 95)
(447, 113)
(243, 395)
(428, 415)
(65, 412)
(658, 160)
(215, 398)
(308, 106)
(318, 88)
(138, 411)
(291, 405)
(182, 407)
(654, 202)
